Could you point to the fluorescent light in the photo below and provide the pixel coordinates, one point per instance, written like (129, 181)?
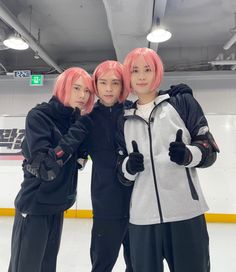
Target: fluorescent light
(159, 35)
(16, 42)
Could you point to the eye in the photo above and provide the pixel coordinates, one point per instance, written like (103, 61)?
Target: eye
(148, 70)
(87, 91)
(134, 71)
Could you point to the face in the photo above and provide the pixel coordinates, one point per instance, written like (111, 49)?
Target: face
(79, 94)
(109, 88)
(142, 77)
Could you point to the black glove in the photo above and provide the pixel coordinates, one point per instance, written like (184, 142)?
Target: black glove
(135, 162)
(178, 151)
(49, 169)
(179, 89)
(43, 166)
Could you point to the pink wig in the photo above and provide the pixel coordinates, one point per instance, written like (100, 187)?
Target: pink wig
(151, 58)
(107, 66)
(65, 81)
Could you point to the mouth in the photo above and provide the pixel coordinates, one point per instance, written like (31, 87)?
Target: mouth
(80, 103)
(141, 84)
(108, 96)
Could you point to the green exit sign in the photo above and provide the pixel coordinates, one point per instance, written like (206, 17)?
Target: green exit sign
(36, 80)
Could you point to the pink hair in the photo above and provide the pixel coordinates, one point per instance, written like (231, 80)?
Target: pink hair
(64, 82)
(151, 58)
(117, 68)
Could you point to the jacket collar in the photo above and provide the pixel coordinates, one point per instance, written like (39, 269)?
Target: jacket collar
(159, 99)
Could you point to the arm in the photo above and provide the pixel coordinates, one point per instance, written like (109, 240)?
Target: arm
(37, 143)
(46, 161)
(76, 135)
(177, 89)
(202, 151)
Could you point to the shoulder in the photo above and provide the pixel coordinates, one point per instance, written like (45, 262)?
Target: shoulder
(38, 113)
(178, 89)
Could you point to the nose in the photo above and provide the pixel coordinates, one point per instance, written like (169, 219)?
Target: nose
(141, 75)
(109, 87)
(82, 94)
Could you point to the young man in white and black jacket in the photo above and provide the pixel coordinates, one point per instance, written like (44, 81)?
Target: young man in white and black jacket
(162, 140)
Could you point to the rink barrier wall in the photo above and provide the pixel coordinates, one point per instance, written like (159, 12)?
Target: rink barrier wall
(210, 217)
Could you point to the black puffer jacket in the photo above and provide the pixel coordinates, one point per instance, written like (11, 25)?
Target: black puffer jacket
(45, 125)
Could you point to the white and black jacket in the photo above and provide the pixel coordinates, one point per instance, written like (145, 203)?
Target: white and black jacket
(165, 191)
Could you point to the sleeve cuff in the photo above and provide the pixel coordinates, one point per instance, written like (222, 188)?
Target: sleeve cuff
(196, 156)
(127, 175)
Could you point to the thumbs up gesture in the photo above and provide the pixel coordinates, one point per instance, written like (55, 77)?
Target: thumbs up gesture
(135, 162)
(178, 151)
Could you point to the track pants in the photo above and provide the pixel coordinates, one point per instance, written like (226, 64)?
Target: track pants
(107, 237)
(35, 242)
(183, 244)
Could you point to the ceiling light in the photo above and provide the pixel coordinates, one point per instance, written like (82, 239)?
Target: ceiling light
(159, 35)
(15, 42)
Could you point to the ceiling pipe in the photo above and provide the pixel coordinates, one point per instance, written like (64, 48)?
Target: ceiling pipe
(12, 21)
(231, 41)
(223, 62)
(158, 12)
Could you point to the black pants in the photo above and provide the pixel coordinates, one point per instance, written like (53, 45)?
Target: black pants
(107, 237)
(35, 243)
(184, 245)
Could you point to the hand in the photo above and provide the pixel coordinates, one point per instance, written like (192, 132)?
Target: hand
(44, 165)
(178, 151)
(135, 162)
(49, 169)
(179, 89)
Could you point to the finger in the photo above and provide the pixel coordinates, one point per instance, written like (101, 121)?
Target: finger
(179, 135)
(135, 146)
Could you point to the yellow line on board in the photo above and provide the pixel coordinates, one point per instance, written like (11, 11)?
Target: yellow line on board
(210, 217)
(67, 214)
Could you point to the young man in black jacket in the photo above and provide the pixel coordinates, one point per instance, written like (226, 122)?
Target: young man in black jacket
(45, 194)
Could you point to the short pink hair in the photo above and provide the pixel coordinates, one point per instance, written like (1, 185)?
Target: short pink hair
(64, 82)
(151, 58)
(107, 66)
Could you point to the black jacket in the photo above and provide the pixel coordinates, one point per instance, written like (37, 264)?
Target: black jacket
(110, 199)
(45, 125)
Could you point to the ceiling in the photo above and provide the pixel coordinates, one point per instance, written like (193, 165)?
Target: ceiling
(86, 32)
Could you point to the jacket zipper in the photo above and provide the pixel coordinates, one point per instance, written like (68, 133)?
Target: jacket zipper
(152, 160)
(154, 174)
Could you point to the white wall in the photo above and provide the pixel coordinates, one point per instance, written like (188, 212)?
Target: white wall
(216, 92)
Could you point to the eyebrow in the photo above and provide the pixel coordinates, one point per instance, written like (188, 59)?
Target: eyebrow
(101, 79)
(145, 66)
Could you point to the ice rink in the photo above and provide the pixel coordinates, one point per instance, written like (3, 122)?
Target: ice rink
(74, 251)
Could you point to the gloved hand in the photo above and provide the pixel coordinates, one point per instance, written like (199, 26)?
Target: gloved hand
(179, 89)
(49, 169)
(178, 151)
(135, 162)
(43, 166)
